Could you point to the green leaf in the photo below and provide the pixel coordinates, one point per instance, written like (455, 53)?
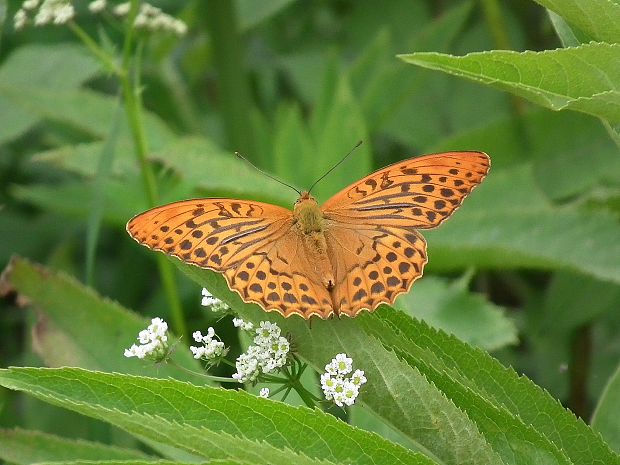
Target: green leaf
(520, 421)
(451, 308)
(571, 152)
(213, 423)
(35, 67)
(81, 109)
(24, 447)
(69, 331)
(599, 18)
(383, 84)
(605, 417)
(583, 78)
(201, 164)
(494, 229)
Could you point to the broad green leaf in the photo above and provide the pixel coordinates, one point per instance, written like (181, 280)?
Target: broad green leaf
(201, 164)
(451, 308)
(122, 199)
(571, 152)
(213, 423)
(69, 332)
(81, 109)
(35, 67)
(583, 78)
(521, 229)
(520, 421)
(605, 417)
(599, 18)
(398, 390)
(383, 84)
(83, 158)
(24, 447)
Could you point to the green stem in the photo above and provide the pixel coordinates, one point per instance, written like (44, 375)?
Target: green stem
(133, 105)
(95, 49)
(497, 26)
(227, 46)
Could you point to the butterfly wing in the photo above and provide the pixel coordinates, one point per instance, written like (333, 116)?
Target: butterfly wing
(372, 236)
(252, 243)
(420, 192)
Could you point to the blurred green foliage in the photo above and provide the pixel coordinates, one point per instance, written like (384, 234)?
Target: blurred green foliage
(528, 268)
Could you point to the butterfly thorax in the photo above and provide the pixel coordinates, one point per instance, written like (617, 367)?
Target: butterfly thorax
(308, 215)
(310, 223)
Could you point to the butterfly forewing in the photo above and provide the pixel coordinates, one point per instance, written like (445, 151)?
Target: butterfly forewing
(420, 192)
(252, 243)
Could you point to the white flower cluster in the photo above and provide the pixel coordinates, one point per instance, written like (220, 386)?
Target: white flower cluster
(44, 12)
(209, 301)
(343, 391)
(269, 353)
(211, 348)
(244, 325)
(152, 18)
(153, 342)
(264, 393)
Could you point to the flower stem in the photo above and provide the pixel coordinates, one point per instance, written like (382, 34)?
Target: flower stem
(133, 105)
(106, 60)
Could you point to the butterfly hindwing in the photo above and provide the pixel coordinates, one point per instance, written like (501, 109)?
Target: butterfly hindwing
(373, 265)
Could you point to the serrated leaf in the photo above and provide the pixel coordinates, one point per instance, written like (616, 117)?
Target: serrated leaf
(599, 18)
(213, 423)
(583, 78)
(24, 447)
(494, 397)
(69, 331)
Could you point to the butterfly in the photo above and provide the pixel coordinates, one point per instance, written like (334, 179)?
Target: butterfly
(358, 250)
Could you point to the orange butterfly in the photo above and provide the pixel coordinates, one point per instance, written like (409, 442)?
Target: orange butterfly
(358, 250)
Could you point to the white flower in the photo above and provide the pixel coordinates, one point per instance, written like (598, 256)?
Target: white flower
(20, 19)
(269, 352)
(153, 19)
(215, 304)
(97, 6)
(122, 9)
(64, 13)
(358, 378)
(336, 387)
(153, 342)
(264, 392)
(30, 4)
(244, 325)
(211, 349)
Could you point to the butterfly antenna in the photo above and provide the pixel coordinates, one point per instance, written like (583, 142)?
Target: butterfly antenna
(265, 173)
(335, 166)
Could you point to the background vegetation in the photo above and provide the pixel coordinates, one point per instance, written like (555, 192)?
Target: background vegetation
(528, 269)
